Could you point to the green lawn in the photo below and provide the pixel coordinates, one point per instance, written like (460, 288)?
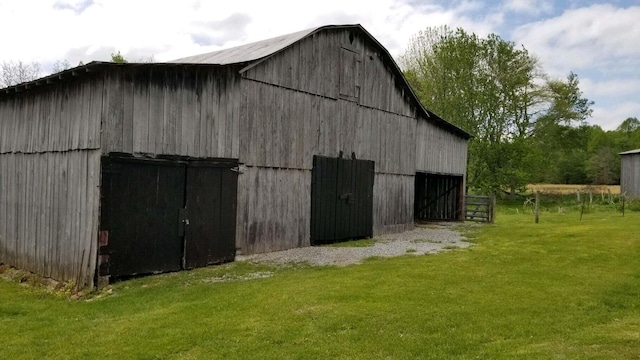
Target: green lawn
(561, 289)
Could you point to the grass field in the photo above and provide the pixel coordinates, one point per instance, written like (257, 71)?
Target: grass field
(560, 289)
(572, 188)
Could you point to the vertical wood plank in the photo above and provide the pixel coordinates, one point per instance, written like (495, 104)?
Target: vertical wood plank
(156, 111)
(140, 115)
(231, 120)
(127, 119)
(223, 101)
(204, 113)
(95, 114)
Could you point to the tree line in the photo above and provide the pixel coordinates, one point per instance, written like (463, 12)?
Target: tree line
(526, 127)
(17, 72)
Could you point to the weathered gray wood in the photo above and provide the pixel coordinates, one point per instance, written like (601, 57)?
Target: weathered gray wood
(630, 175)
(128, 108)
(392, 203)
(439, 151)
(171, 111)
(48, 213)
(94, 98)
(224, 99)
(140, 114)
(188, 116)
(155, 110)
(275, 217)
(114, 107)
(50, 119)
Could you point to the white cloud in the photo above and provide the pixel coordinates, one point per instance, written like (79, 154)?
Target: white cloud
(614, 88)
(599, 35)
(610, 117)
(88, 30)
(534, 7)
(599, 43)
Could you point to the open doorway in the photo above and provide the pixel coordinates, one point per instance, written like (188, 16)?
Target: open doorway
(438, 197)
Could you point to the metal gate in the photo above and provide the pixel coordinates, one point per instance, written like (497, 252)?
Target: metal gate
(479, 208)
(341, 199)
(166, 215)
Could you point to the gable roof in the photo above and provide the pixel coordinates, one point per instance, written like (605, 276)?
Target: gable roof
(248, 52)
(251, 55)
(255, 53)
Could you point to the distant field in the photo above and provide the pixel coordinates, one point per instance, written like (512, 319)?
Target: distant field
(568, 189)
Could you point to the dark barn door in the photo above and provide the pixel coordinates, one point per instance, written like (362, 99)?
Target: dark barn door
(341, 199)
(438, 197)
(211, 213)
(140, 209)
(159, 216)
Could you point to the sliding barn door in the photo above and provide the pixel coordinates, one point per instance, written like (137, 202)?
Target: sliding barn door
(341, 199)
(140, 212)
(211, 214)
(166, 215)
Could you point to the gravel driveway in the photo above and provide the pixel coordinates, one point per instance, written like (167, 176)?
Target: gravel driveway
(422, 240)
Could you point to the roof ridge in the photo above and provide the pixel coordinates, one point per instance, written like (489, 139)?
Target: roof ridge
(254, 50)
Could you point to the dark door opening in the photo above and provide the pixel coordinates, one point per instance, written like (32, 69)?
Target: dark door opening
(341, 199)
(166, 215)
(438, 197)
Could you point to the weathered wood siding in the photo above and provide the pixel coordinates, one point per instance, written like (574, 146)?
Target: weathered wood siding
(304, 102)
(49, 179)
(316, 65)
(285, 128)
(49, 213)
(60, 118)
(439, 151)
(172, 110)
(273, 209)
(392, 203)
(630, 176)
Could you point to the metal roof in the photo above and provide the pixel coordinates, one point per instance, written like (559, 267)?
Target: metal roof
(258, 51)
(636, 151)
(248, 52)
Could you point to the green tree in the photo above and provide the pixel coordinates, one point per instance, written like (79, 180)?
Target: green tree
(568, 107)
(629, 125)
(629, 134)
(118, 58)
(487, 86)
(561, 133)
(603, 167)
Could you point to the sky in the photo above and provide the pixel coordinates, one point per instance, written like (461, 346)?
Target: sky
(598, 40)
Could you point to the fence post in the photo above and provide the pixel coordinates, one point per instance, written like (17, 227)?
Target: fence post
(493, 208)
(537, 211)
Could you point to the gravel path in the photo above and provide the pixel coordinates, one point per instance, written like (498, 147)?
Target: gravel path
(422, 240)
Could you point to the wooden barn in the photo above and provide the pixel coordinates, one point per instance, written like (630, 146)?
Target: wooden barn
(630, 174)
(111, 170)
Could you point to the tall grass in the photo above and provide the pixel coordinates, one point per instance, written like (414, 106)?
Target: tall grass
(560, 289)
